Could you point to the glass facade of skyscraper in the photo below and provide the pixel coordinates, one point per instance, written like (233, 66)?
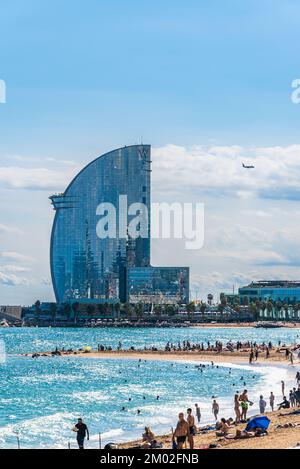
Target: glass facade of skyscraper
(165, 285)
(84, 265)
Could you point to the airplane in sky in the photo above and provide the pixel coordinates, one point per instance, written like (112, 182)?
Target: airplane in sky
(248, 167)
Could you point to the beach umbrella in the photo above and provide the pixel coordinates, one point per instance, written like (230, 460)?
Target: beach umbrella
(258, 422)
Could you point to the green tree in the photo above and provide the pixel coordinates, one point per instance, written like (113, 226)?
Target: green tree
(139, 308)
(202, 310)
(128, 310)
(157, 310)
(37, 309)
(53, 311)
(90, 309)
(191, 308)
(117, 310)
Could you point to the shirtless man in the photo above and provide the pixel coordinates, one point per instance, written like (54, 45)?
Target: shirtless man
(182, 431)
(215, 409)
(244, 404)
(191, 423)
(198, 412)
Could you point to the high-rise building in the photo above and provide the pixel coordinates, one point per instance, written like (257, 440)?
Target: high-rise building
(84, 264)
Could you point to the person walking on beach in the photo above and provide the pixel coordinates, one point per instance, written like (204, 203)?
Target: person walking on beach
(272, 399)
(198, 412)
(262, 405)
(282, 387)
(215, 409)
(182, 431)
(82, 431)
(191, 423)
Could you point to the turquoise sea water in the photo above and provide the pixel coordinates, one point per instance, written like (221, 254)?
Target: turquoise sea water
(42, 398)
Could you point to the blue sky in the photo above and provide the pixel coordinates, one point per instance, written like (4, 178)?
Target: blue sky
(83, 78)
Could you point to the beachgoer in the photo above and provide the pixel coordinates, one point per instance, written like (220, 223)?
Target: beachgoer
(272, 399)
(215, 409)
(284, 404)
(191, 422)
(223, 428)
(282, 387)
(148, 438)
(182, 431)
(244, 404)
(237, 408)
(82, 431)
(198, 412)
(262, 405)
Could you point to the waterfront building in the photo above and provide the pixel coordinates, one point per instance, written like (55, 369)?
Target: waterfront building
(87, 266)
(285, 291)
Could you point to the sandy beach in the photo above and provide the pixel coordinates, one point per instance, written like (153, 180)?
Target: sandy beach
(277, 438)
(217, 357)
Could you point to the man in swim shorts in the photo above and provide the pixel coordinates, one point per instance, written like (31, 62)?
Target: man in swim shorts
(191, 423)
(182, 431)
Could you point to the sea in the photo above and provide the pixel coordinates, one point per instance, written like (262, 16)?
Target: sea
(41, 399)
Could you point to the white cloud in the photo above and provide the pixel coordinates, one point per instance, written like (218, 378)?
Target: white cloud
(10, 229)
(12, 280)
(16, 256)
(217, 171)
(14, 268)
(15, 177)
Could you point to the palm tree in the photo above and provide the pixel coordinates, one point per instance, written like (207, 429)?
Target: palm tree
(90, 309)
(138, 309)
(170, 310)
(270, 309)
(37, 309)
(191, 308)
(286, 310)
(100, 308)
(157, 310)
(118, 309)
(202, 310)
(75, 309)
(128, 310)
(53, 310)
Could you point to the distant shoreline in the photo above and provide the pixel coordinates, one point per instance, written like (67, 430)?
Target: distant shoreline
(198, 356)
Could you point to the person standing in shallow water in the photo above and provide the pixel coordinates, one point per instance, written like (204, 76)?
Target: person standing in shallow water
(82, 431)
(215, 409)
(198, 412)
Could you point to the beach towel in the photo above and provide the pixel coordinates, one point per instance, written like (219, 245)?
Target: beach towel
(258, 422)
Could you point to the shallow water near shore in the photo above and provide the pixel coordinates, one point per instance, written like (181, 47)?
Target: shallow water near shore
(42, 398)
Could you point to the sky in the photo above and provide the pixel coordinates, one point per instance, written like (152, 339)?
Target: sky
(207, 84)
